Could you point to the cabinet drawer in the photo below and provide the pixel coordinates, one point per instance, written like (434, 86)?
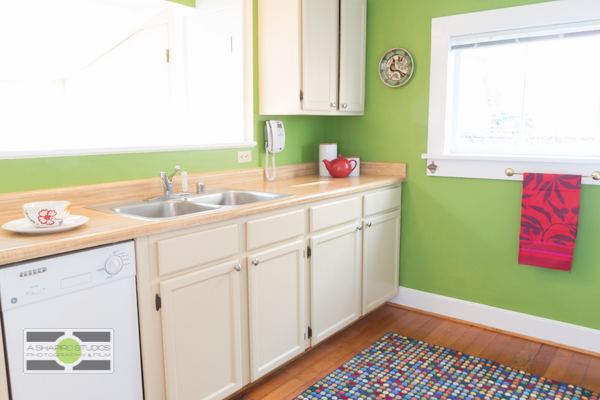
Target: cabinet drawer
(335, 213)
(183, 252)
(265, 231)
(382, 201)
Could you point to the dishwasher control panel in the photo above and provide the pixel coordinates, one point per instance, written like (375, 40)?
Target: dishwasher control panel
(32, 281)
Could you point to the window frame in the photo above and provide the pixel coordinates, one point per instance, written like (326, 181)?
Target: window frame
(484, 166)
(177, 90)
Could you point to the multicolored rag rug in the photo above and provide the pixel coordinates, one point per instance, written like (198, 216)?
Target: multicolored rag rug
(396, 367)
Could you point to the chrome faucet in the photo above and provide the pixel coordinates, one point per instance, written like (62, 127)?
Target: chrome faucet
(168, 181)
(168, 186)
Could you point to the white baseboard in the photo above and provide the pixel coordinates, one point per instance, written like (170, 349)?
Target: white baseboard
(542, 328)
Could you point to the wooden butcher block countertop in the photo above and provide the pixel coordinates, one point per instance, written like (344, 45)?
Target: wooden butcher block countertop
(300, 180)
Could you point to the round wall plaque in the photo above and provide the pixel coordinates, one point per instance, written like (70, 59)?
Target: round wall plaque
(396, 67)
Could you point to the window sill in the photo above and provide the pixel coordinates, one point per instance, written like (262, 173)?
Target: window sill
(121, 150)
(482, 166)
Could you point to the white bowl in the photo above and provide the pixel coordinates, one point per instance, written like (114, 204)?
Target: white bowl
(47, 214)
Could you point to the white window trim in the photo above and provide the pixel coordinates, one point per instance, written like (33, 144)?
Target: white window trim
(493, 166)
(120, 150)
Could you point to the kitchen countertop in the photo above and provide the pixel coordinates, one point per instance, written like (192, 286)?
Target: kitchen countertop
(300, 180)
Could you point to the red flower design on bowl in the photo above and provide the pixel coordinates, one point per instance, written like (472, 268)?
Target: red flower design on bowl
(47, 217)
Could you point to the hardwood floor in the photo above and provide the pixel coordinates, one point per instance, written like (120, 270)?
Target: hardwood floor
(541, 359)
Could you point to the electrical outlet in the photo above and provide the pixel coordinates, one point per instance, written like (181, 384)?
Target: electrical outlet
(244, 156)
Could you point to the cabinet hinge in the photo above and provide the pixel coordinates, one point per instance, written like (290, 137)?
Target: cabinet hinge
(158, 302)
(301, 95)
(168, 56)
(309, 332)
(308, 252)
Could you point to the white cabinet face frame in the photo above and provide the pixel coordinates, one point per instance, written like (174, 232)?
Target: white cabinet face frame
(199, 367)
(381, 256)
(335, 273)
(277, 297)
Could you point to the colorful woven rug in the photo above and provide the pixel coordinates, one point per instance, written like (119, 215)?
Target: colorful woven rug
(396, 367)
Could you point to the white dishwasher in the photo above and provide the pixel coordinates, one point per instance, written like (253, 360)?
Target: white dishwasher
(70, 325)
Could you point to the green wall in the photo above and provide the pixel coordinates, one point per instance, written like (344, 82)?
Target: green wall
(459, 236)
(189, 3)
(302, 137)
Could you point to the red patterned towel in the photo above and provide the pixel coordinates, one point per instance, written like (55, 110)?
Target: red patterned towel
(549, 215)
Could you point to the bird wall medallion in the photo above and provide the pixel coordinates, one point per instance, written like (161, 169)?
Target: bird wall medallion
(396, 67)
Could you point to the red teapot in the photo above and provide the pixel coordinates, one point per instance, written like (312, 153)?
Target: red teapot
(340, 167)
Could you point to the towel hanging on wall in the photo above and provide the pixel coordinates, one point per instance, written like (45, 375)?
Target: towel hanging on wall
(549, 216)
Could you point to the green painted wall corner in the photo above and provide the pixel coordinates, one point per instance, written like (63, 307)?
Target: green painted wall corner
(459, 236)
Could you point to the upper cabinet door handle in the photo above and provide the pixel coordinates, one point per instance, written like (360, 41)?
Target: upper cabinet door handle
(334, 105)
(255, 262)
(368, 224)
(344, 105)
(238, 267)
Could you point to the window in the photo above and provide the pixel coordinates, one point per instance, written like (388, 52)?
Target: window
(516, 88)
(107, 76)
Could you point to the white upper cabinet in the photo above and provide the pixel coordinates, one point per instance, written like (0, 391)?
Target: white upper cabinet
(312, 57)
(353, 50)
(320, 43)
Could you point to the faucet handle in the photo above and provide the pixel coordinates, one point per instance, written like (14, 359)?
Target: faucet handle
(200, 187)
(177, 169)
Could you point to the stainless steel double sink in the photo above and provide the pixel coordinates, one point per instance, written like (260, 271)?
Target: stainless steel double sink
(158, 210)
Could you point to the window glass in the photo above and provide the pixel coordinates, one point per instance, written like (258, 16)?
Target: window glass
(110, 76)
(527, 97)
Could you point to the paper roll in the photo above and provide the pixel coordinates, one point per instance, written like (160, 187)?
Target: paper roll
(327, 151)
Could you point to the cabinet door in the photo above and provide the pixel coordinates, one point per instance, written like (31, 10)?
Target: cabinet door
(276, 289)
(353, 45)
(381, 252)
(320, 44)
(335, 280)
(202, 333)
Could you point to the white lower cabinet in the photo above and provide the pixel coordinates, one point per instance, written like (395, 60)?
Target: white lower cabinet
(202, 338)
(276, 304)
(210, 326)
(381, 251)
(335, 279)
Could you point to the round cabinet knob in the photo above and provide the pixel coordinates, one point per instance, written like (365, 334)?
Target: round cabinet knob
(359, 227)
(113, 265)
(368, 225)
(238, 267)
(255, 262)
(333, 105)
(344, 105)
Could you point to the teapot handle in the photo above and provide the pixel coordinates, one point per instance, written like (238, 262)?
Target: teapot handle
(355, 164)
